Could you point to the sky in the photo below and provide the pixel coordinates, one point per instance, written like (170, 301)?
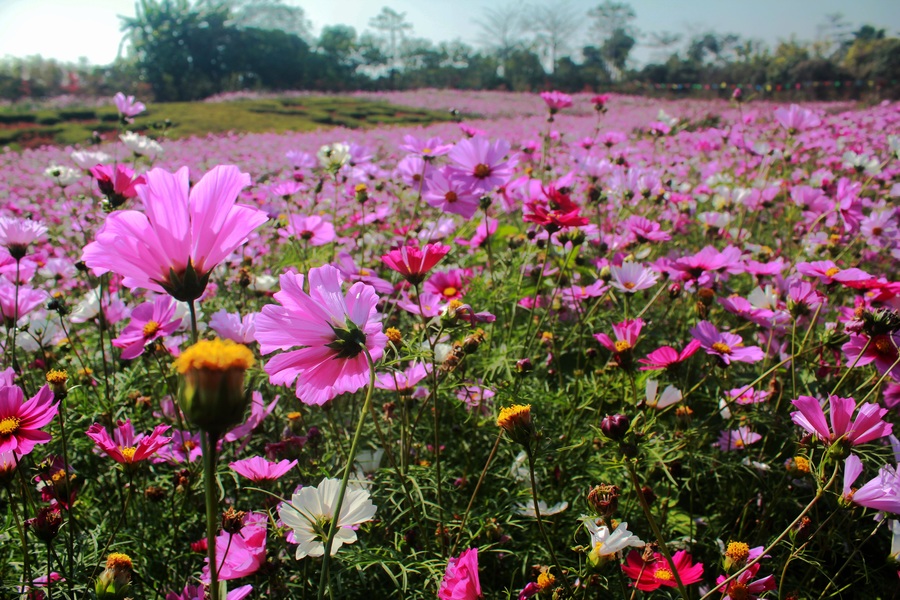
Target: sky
(70, 29)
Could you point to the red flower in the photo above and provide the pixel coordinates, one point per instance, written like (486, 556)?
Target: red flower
(652, 575)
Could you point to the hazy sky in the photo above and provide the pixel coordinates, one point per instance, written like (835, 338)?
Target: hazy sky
(69, 29)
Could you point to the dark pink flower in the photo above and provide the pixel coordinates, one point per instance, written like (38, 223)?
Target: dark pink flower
(258, 469)
(313, 230)
(413, 262)
(461, 578)
(240, 554)
(626, 333)
(126, 448)
(866, 427)
(744, 587)
(656, 573)
(666, 356)
(882, 350)
(21, 421)
(828, 272)
(556, 101)
(150, 321)
(258, 411)
(116, 182)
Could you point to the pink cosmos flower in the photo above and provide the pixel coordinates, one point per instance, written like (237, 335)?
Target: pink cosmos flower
(880, 493)
(448, 193)
(708, 265)
(736, 439)
(667, 356)
(116, 182)
(21, 420)
(645, 230)
(313, 230)
(866, 427)
(626, 333)
(150, 321)
(126, 448)
(554, 211)
(183, 447)
(729, 347)
(126, 105)
(632, 277)
(182, 234)
(231, 326)
(413, 262)
(28, 300)
(426, 304)
(461, 577)
(451, 284)
(479, 163)
(653, 574)
(880, 349)
(403, 381)
(600, 101)
(331, 326)
(828, 272)
(240, 554)
(796, 119)
(17, 234)
(744, 588)
(259, 469)
(258, 411)
(427, 149)
(556, 101)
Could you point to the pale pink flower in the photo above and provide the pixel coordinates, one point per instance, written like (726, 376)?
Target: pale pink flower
(866, 427)
(182, 234)
(126, 105)
(28, 300)
(556, 101)
(18, 234)
(796, 119)
(480, 163)
(150, 321)
(880, 493)
(259, 469)
(231, 326)
(313, 230)
(736, 439)
(258, 411)
(729, 347)
(333, 329)
(450, 194)
(632, 277)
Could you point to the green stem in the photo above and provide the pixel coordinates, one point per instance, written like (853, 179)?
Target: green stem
(25, 564)
(537, 513)
(193, 321)
(208, 442)
(648, 514)
(332, 530)
(465, 518)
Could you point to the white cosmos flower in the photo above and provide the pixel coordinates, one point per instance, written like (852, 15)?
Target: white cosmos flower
(333, 157)
(527, 510)
(311, 511)
(87, 159)
(606, 543)
(64, 176)
(141, 144)
(670, 395)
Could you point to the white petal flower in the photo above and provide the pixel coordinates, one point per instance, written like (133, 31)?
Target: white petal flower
(527, 510)
(311, 511)
(604, 543)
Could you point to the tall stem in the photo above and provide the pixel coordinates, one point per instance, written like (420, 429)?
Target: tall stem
(208, 441)
(540, 522)
(25, 564)
(193, 321)
(336, 515)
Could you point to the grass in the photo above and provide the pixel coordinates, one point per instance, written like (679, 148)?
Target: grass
(184, 119)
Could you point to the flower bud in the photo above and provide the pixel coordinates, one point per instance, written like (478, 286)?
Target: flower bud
(615, 426)
(46, 524)
(516, 421)
(114, 582)
(213, 398)
(604, 499)
(233, 520)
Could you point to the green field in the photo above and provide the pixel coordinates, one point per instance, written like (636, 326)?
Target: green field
(183, 119)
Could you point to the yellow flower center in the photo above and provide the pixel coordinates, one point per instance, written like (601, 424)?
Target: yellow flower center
(426, 150)
(360, 187)
(622, 346)
(118, 560)
(188, 445)
(664, 574)
(482, 170)
(832, 272)
(58, 476)
(450, 291)
(738, 591)
(629, 285)
(394, 335)
(544, 581)
(293, 415)
(511, 416)
(214, 355)
(737, 551)
(150, 328)
(56, 376)
(9, 425)
(128, 453)
(454, 305)
(801, 463)
(723, 348)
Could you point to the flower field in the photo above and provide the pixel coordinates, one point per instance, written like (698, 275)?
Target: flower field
(568, 347)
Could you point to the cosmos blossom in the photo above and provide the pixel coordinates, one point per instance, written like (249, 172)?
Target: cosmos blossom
(632, 277)
(150, 321)
(869, 424)
(729, 347)
(666, 356)
(461, 580)
(125, 447)
(21, 421)
(478, 162)
(332, 327)
(183, 233)
(448, 193)
(414, 263)
(127, 106)
(880, 493)
(656, 573)
(117, 182)
(257, 468)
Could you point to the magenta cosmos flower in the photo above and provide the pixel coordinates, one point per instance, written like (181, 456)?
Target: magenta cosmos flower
(182, 234)
(868, 425)
(258, 469)
(745, 587)
(729, 347)
(313, 230)
(626, 333)
(21, 421)
(881, 493)
(199, 592)
(126, 448)
(667, 356)
(241, 554)
(479, 163)
(449, 194)
(461, 580)
(333, 329)
(149, 322)
(883, 350)
(656, 573)
(556, 101)
(116, 182)
(413, 262)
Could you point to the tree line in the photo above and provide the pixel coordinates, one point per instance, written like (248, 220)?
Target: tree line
(182, 50)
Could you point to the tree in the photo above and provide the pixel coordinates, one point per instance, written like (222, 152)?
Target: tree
(554, 29)
(395, 26)
(272, 15)
(500, 32)
(610, 17)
